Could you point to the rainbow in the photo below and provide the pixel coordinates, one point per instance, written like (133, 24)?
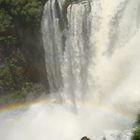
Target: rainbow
(13, 107)
(17, 106)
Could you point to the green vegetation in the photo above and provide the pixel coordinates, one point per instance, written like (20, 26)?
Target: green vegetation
(19, 42)
(15, 85)
(27, 12)
(13, 71)
(27, 92)
(136, 134)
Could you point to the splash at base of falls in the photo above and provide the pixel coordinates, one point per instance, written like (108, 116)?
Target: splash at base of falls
(49, 120)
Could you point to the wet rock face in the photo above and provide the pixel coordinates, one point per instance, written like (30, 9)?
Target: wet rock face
(85, 138)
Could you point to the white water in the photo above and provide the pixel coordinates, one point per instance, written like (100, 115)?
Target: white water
(94, 73)
(99, 61)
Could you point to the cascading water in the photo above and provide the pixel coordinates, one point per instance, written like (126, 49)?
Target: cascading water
(95, 56)
(95, 51)
(92, 58)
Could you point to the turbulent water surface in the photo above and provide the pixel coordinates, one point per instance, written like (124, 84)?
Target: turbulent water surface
(92, 59)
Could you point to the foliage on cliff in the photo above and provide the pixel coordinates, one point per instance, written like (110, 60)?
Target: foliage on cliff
(27, 12)
(12, 71)
(136, 134)
(19, 42)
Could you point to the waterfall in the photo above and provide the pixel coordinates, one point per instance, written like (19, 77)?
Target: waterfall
(92, 52)
(94, 57)
(53, 37)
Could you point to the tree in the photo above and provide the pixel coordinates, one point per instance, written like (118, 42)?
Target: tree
(20, 28)
(136, 133)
